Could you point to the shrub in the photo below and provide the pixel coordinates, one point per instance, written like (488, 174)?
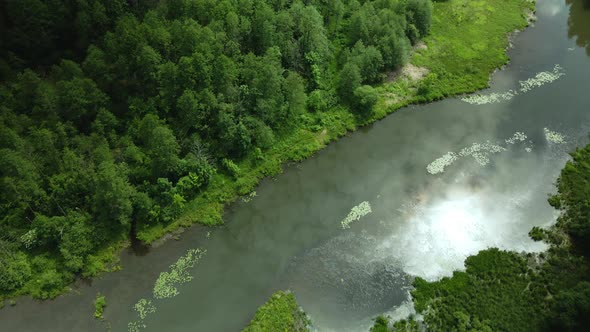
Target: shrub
(230, 167)
(15, 271)
(365, 98)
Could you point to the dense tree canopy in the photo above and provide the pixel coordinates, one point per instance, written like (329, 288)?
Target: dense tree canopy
(114, 114)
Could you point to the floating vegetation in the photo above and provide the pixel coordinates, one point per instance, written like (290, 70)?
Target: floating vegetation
(479, 151)
(165, 286)
(478, 99)
(248, 198)
(356, 213)
(541, 79)
(553, 136)
(538, 80)
(144, 307)
(517, 137)
(136, 326)
(438, 166)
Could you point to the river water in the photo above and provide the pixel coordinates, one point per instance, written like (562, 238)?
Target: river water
(498, 163)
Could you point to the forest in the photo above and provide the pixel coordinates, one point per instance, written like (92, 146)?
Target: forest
(509, 291)
(115, 114)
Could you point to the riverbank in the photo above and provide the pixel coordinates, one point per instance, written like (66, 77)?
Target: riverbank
(467, 43)
(280, 313)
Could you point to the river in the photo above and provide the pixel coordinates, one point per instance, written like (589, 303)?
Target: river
(442, 181)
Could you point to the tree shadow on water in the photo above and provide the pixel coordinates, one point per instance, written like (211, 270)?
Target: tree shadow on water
(578, 23)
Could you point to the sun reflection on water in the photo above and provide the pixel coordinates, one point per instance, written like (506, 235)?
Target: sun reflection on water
(445, 228)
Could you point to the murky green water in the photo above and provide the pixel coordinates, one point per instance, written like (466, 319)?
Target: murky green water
(422, 224)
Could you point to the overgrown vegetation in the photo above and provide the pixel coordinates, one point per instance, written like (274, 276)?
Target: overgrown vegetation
(172, 109)
(508, 291)
(279, 313)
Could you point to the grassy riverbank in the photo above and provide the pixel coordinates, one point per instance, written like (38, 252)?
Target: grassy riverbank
(280, 313)
(468, 41)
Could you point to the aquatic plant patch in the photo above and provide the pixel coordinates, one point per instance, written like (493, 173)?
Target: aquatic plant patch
(166, 285)
(480, 152)
(167, 282)
(249, 197)
(136, 326)
(356, 213)
(144, 307)
(553, 136)
(479, 99)
(438, 166)
(517, 137)
(540, 79)
(99, 304)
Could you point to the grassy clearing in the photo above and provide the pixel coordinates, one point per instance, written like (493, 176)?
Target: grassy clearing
(467, 43)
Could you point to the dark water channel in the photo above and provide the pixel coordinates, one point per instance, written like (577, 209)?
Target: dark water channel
(290, 235)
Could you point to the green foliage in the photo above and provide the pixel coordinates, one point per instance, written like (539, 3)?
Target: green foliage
(573, 188)
(189, 185)
(409, 325)
(366, 97)
(419, 17)
(49, 284)
(37, 32)
(317, 101)
(99, 304)
(369, 61)
(279, 313)
(350, 80)
(231, 168)
(493, 291)
(381, 324)
(15, 271)
(537, 233)
(571, 308)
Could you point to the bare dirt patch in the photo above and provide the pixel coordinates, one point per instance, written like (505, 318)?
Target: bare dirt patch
(322, 136)
(420, 46)
(413, 73)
